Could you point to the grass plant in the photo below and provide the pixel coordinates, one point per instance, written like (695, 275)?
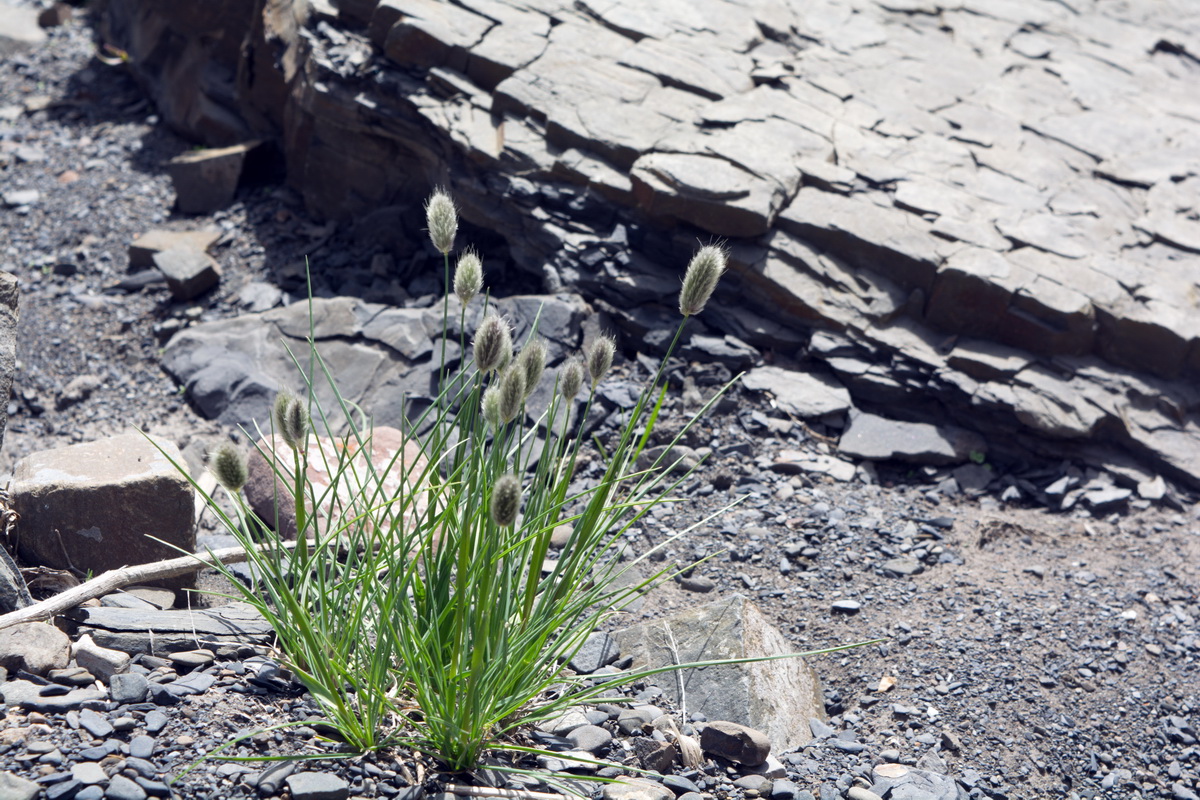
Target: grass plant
(430, 616)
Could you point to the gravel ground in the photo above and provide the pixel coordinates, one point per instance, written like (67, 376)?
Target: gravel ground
(1033, 654)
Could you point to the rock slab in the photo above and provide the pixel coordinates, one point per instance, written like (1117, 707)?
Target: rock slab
(775, 697)
(223, 629)
(95, 506)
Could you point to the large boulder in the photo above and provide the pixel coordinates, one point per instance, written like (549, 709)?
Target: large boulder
(104, 505)
(381, 478)
(775, 697)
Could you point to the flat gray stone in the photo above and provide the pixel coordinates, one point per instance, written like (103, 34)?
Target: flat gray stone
(317, 786)
(879, 439)
(28, 696)
(137, 631)
(804, 394)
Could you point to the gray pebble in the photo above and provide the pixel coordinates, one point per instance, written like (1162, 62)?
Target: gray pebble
(88, 772)
(128, 687)
(153, 787)
(847, 747)
(755, 783)
(859, 793)
(820, 729)
(846, 606)
(317, 786)
(680, 785)
(121, 788)
(141, 746)
(699, 584)
(156, 721)
(94, 723)
(272, 778)
(63, 789)
(785, 790)
(591, 738)
(94, 792)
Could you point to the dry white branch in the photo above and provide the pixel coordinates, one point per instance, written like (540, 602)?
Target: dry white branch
(125, 576)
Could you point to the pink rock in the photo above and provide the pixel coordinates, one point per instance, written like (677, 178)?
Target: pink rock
(395, 467)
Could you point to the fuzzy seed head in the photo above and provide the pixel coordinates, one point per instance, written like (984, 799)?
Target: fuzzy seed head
(701, 279)
(572, 379)
(512, 392)
(493, 343)
(468, 276)
(491, 406)
(506, 501)
(600, 357)
(441, 218)
(229, 467)
(532, 361)
(291, 420)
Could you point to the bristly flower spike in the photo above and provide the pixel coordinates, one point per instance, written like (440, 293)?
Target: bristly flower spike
(700, 281)
(600, 357)
(532, 361)
(493, 343)
(229, 467)
(512, 392)
(506, 501)
(291, 420)
(468, 276)
(441, 218)
(491, 406)
(571, 379)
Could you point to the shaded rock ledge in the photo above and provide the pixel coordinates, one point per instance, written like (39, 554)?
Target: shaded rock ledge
(999, 228)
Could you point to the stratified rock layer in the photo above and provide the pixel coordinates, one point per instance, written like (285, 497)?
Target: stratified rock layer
(926, 183)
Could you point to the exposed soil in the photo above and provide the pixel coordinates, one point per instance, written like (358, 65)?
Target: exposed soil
(1041, 653)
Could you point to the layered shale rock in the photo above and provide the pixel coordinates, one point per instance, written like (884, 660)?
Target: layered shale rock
(985, 212)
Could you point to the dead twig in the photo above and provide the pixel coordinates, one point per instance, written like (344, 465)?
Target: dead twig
(116, 578)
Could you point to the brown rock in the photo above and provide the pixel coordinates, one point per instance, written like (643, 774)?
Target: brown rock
(190, 273)
(35, 647)
(143, 249)
(735, 742)
(389, 447)
(95, 506)
(654, 755)
(55, 15)
(206, 180)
